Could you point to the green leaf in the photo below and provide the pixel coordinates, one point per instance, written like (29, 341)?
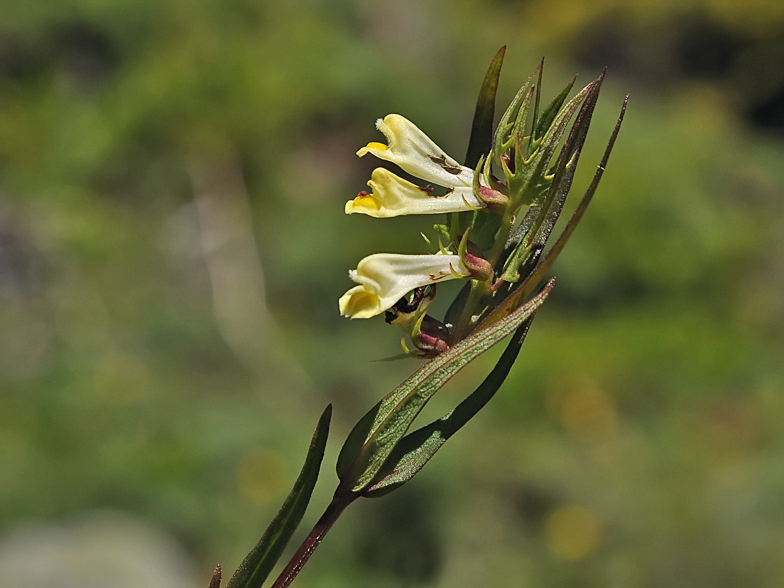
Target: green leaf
(502, 140)
(540, 219)
(482, 127)
(484, 227)
(257, 565)
(355, 441)
(549, 113)
(515, 261)
(481, 139)
(395, 413)
(417, 448)
(565, 167)
(531, 181)
(537, 102)
(511, 303)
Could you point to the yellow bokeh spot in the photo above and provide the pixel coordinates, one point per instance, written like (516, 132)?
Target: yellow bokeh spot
(572, 532)
(585, 410)
(262, 475)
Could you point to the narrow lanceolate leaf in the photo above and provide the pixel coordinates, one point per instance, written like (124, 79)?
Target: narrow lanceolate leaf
(255, 568)
(538, 99)
(565, 167)
(549, 113)
(540, 220)
(531, 182)
(504, 133)
(355, 440)
(482, 128)
(392, 417)
(481, 139)
(525, 288)
(416, 449)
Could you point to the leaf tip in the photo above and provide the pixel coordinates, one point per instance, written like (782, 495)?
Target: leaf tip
(216, 577)
(324, 420)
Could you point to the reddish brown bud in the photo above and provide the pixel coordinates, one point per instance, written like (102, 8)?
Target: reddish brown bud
(472, 259)
(491, 198)
(430, 338)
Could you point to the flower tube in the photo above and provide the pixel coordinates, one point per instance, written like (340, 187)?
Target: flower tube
(395, 196)
(384, 278)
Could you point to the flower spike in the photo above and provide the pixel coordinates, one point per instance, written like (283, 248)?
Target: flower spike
(507, 246)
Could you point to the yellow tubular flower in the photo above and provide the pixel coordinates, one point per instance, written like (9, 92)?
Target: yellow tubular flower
(415, 153)
(384, 278)
(394, 196)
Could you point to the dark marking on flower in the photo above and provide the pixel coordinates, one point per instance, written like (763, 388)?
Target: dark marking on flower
(403, 305)
(430, 189)
(441, 160)
(403, 311)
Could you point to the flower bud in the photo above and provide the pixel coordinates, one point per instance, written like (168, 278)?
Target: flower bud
(492, 199)
(471, 257)
(431, 337)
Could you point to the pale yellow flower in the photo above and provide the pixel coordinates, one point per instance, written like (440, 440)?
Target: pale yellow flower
(384, 278)
(395, 196)
(416, 154)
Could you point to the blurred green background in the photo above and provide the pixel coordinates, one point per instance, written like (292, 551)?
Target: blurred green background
(173, 245)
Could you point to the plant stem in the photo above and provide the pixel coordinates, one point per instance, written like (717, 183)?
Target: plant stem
(503, 234)
(314, 538)
(478, 289)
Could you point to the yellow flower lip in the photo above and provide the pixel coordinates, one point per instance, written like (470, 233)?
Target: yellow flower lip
(372, 146)
(360, 303)
(363, 202)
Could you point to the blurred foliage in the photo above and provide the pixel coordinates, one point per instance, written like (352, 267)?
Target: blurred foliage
(173, 244)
